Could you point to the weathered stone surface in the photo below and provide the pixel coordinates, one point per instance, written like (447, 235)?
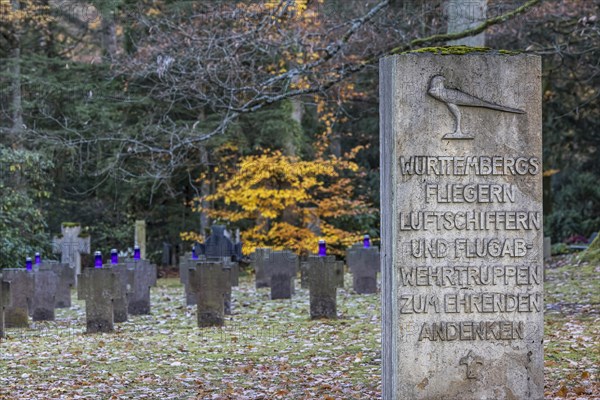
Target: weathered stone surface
(43, 296)
(184, 277)
(99, 287)
(21, 287)
(144, 277)
(323, 282)
(338, 269)
(66, 280)
(364, 264)
(121, 296)
(140, 237)
(461, 227)
(4, 302)
(283, 271)
(211, 283)
(71, 245)
(304, 268)
(261, 264)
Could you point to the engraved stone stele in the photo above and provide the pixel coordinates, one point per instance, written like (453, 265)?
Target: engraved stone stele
(66, 280)
(461, 226)
(16, 315)
(43, 296)
(99, 287)
(143, 278)
(323, 282)
(4, 301)
(210, 281)
(364, 266)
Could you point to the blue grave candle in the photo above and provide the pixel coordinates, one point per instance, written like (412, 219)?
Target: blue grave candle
(322, 248)
(38, 259)
(28, 264)
(114, 256)
(366, 241)
(194, 255)
(136, 253)
(97, 259)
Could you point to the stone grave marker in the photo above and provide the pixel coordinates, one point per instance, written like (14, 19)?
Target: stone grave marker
(121, 296)
(16, 315)
(364, 266)
(304, 267)
(42, 300)
(461, 223)
(4, 301)
(144, 277)
(99, 287)
(70, 244)
(283, 273)
(323, 282)
(261, 265)
(184, 277)
(66, 280)
(211, 283)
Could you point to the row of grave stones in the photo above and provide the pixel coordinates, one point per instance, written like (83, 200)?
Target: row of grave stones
(321, 274)
(111, 293)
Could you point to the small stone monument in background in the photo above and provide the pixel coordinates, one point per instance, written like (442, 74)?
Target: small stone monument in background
(99, 287)
(323, 282)
(211, 283)
(71, 244)
(66, 280)
(363, 262)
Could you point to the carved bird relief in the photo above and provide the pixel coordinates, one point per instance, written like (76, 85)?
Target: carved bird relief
(454, 98)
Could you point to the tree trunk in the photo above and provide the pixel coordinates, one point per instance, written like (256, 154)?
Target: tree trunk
(463, 15)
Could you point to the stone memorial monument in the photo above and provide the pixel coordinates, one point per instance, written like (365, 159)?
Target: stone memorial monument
(140, 237)
(121, 296)
(461, 226)
(262, 264)
(364, 266)
(4, 301)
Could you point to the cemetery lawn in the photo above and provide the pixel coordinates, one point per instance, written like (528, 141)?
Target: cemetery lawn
(268, 349)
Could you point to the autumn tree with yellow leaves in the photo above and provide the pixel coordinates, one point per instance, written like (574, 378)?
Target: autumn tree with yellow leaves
(284, 202)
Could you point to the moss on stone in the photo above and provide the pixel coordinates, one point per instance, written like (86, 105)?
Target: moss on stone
(70, 224)
(592, 253)
(458, 50)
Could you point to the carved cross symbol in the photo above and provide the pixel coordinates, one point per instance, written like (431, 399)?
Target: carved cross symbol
(472, 362)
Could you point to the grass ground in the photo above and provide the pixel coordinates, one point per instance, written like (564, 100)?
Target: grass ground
(268, 349)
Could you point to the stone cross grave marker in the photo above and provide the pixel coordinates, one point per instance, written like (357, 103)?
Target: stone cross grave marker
(4, 301)
(323, 282)
(283, 273)
(66, 280)
(99, 287)
(144, 277)
(364, 265)
(461, 196)
(16, 315)
(71, 245)
(121, 298)
(211, 284)
(219, 245)
(42, 299)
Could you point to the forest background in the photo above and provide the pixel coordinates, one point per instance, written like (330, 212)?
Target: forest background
(262, 115)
